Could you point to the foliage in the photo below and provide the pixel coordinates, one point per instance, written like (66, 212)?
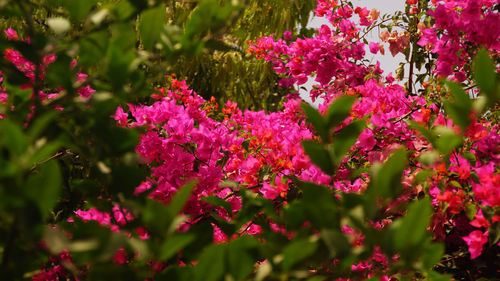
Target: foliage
(111, 167)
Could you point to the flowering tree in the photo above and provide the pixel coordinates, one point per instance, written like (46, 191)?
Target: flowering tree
(391, 178)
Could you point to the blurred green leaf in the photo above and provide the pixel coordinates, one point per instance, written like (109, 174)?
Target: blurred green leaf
(181, 197)
(79, 9)
(339, 110)
(38, 126)
(45, 152)
(211, 264)
(294, 215)
(218, 202)
(413, 228)
(174, 244)
(317, 121)
(432, 254)
(43, 186)
(345, 138)
(93, 47)
(151, 23)
(320, 205)
(177, 273)
(484, 72)
(337, 243)
(55, 240)
(13, 137)
(240, 262)
(158, 216)
(448, 139)
(297, 251)
(319, 156)
(424, 131)
(460, 109)
(387, 180)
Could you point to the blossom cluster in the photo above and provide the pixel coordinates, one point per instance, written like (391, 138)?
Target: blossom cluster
(186, 137)
(459, 27)
(183, 140)
(30, 70)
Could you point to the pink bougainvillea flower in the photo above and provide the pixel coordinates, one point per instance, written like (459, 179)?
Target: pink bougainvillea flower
(11, 34)
(475, 240)
(480, 220)
(374, 47)
(121, 118)
(85, 92)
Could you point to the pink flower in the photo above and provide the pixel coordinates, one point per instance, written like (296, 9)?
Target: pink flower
(475, 240)
(120, 256)
(122, 118)
(11, 34)
(374, 47)
(4, 98)
(367, 140)
(480, 220)
(85, 92)
(287, 35)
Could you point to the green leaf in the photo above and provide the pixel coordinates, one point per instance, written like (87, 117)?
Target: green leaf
(470, 157)
(317, 278)
(320, 205)
(211, 264)
(337, 243)
(352, 200)
(294, 215)
(460, 109)
(124, 10)
(40, 124)
(387, 180)
(448, 139)
(177, 273)
(180, 198)
(55, 240)
(118, 67)
(159, 217)
(79, 9)
(151, 24)
(297, 251)
(432, 254)
(413, 228)
(317, 121)
(13, 137)
(218, 202)
(319, 156)
(339, 110)
(93, 47)
(426, 133)
(45, 152)
(240, 262)
(346, 138)
(484, 72)
(44, 185)
(174, 244)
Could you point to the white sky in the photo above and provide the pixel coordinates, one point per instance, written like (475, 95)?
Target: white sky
(388, 63)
